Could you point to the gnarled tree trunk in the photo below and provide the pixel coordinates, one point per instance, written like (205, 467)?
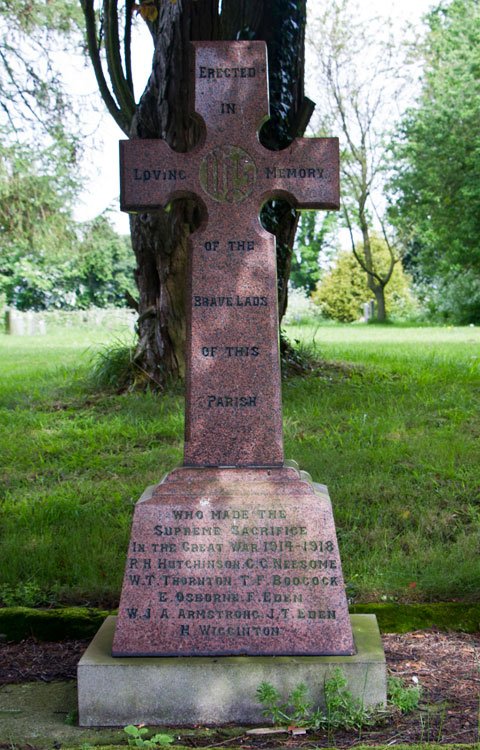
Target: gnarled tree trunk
(160, 240)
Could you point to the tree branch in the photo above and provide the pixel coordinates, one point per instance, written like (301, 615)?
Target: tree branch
(114, 61)
(358, 258)
(127, 42)
(393, 260)
(94, 52)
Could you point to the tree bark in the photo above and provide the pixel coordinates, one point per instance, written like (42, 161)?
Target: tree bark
(160, 240)
(375, 282)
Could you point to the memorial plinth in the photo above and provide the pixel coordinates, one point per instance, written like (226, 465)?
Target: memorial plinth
(233, 561)
(234, 555)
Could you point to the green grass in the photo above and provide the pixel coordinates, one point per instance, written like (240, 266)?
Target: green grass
(74, 464)
(395, 436)
(394, 432)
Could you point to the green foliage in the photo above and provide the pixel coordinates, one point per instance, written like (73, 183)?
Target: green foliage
(404, 698)
(38, 16)
(22, 595)
(114, 367)
(393, 617)
(136, 738)
(18, 623)
(71, 720)
(105, 266)
(278, 711)
(436, 191)
(452, 298)
(300, 306)
(35, 106)
(47, 260)
(343, 289)
(311, 242)
(341, 709)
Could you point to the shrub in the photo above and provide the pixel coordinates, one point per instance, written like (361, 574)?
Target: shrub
(343, 289)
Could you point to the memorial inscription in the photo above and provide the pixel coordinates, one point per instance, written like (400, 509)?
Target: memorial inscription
(215, 568)
(235, 553)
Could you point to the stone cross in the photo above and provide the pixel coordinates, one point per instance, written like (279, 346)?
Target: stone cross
(233, 401)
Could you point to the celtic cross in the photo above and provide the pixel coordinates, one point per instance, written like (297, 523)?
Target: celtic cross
(233, 399)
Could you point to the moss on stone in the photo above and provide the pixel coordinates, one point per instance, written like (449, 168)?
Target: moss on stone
(80, 622)
(403, 618)
(50, 624)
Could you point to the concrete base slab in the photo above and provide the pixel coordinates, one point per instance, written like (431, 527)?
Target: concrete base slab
(34, 714)
(215, 690)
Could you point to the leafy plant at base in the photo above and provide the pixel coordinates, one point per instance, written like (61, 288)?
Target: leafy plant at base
(137, 737)
(405, 698)
(269, 696)
(342, 710)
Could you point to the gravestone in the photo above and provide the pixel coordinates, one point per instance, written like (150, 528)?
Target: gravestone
(20, 324)
(234, 554)
(14, 322)
(232, 560)
(369, 310)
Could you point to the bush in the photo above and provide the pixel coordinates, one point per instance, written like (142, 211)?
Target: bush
(300, 306)
(343, 290)
(454, 299)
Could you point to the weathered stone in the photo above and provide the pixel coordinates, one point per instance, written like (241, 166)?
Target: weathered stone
(216, 690)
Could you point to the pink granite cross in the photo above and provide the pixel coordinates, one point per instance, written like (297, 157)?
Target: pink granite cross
(233, 398)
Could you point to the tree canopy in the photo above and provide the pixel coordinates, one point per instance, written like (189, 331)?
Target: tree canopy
(312, 245)
(33, 96)
(436, 188)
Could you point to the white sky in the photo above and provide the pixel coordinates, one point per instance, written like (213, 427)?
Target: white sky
(100, 162)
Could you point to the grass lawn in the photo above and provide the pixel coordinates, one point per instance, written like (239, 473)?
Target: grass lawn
(390, 424)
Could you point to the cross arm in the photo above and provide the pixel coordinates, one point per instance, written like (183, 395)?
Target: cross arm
(152, 175)
(306, 173)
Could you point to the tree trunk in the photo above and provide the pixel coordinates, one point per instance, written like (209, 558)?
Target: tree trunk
(160, 240)
(380, 303)
(374, 284)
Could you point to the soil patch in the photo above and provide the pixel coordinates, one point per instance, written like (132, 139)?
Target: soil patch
(445, 664)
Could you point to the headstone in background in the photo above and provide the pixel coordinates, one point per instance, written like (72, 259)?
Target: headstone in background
(369, 310)
(18, 323)
(14, 324)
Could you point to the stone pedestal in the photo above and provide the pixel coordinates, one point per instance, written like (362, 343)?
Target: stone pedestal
(215, 690)
(231, 562)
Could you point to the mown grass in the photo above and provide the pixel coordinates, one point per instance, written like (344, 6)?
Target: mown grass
(390, 425)
(395, 436)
